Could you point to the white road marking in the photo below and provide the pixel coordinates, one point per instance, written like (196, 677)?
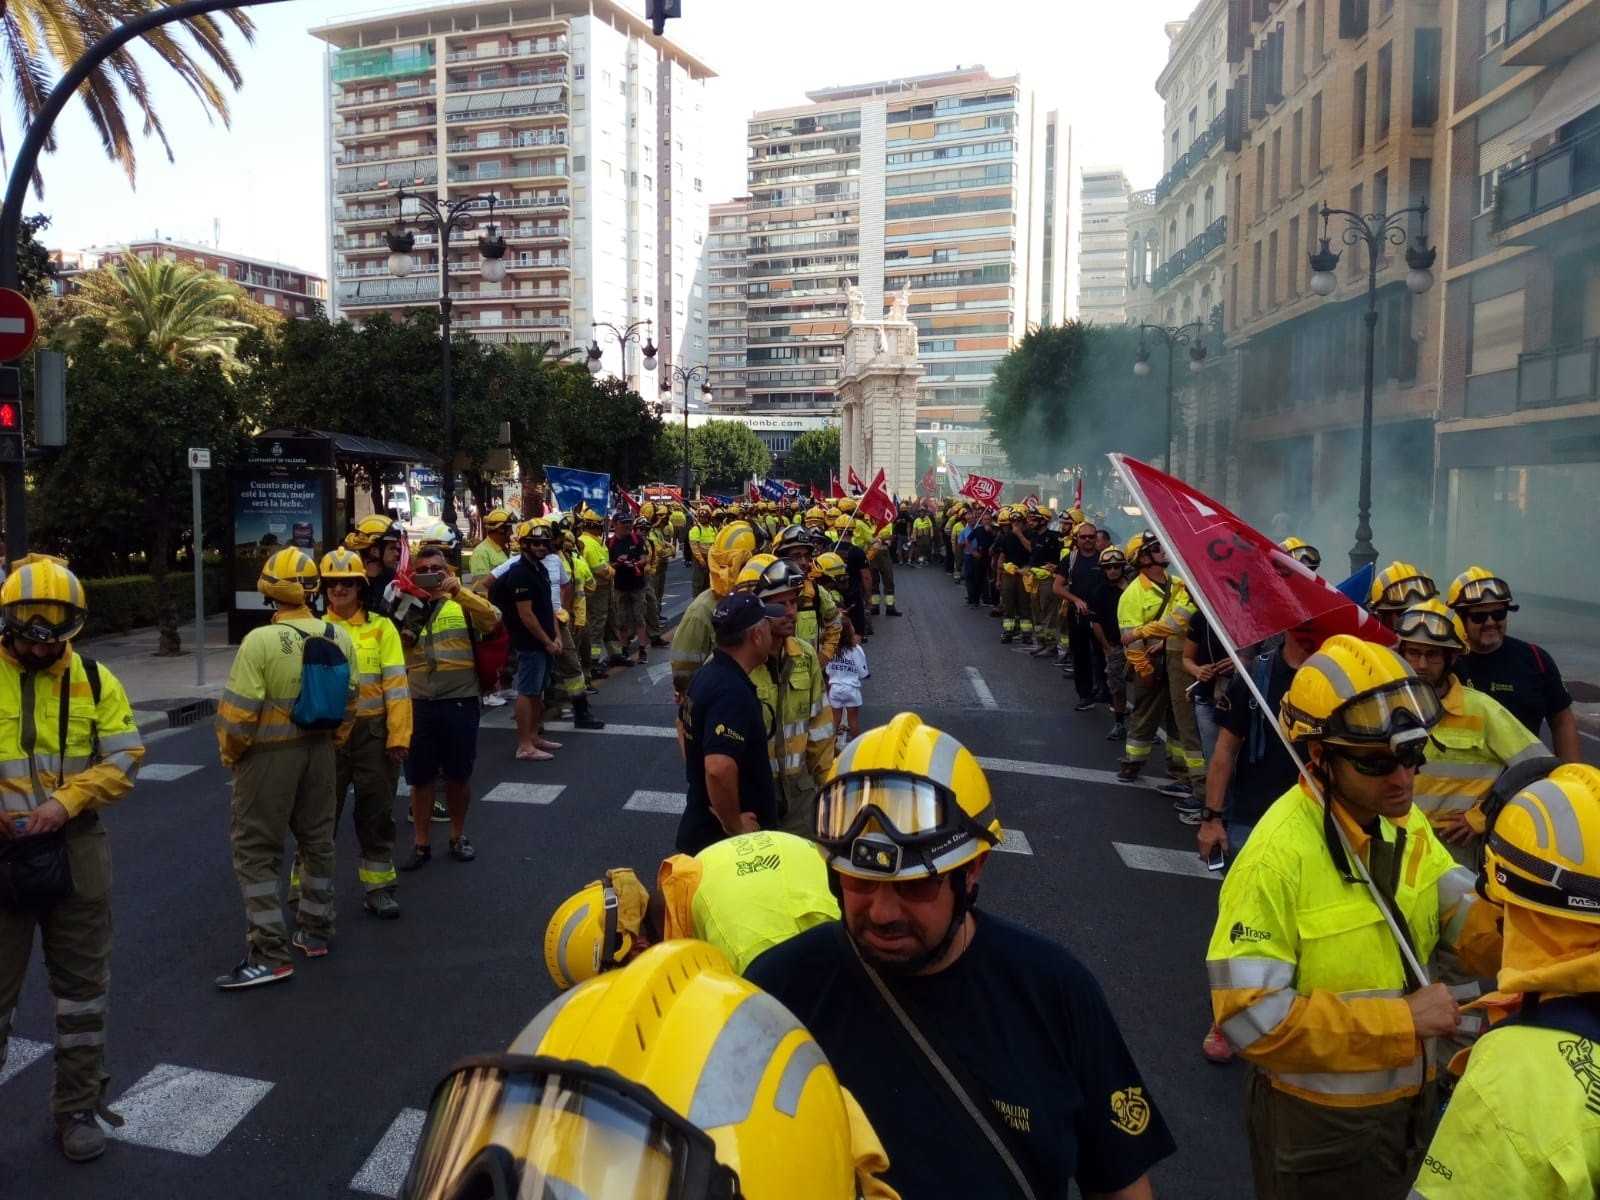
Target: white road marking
(1168, 862)
(21, 1053)
(1019, 766)
(1592, 737)
(386, 1167)
(980, 689)
(524, 793)
(658, 672)
(165, 772)
(660, 731)
(189, 1111)
(657, 802)
(1014, 842)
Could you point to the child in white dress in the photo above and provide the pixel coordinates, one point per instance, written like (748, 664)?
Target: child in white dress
(846, 671)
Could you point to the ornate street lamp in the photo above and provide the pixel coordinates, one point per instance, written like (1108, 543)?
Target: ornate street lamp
(1191, 335)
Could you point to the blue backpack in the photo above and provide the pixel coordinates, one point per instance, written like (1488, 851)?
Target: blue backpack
(324, 682)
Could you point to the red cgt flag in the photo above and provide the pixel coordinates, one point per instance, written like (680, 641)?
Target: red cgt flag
(875, 503)
(930, 483)
(855, 482)
(834, 490)
(983, 489)
(1247, 584)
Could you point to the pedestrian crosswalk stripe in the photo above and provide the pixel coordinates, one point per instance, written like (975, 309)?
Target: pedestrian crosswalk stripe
(1018, 766)
(524, 793)
(660, 802)
(659, 672)
(1164, 860)
(980, 689)
(659, 731)
(185, 1110)
(165, 772)
(21, 1053)
(385, 1168)
(1014, 841)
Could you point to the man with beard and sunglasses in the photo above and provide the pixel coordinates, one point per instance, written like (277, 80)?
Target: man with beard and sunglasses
(1307, 982)
(1518, 674)
(985, 1056)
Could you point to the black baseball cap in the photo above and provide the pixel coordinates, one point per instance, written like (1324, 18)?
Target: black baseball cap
(739, 611)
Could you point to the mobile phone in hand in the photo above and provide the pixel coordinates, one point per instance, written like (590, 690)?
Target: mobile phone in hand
(1218, 859)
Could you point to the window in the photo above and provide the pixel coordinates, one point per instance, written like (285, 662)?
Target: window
(1211, 103)
(1496, 334)
(1194, 124)
(645, 95)
(1277, 166)
(1292, 287)
(1261, 182)
(622, 86)
(1176, 153)
(1237, 206)
(269, 299)
(1314, 159)
(1425, 56)
(697, 186)
(1380, 191)
(580, 163)
(1358, 113)
(1385, 90)
(222, 268)
(1297, 137)
(1211, 205)
(1489, 183)
(1300, 44)
(1233, 295)
(1255, 280)
(1319, 22)
(577, 71)
(1272, 270)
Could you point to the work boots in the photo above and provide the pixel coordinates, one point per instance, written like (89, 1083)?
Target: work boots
(381, 903)
(79, 1134)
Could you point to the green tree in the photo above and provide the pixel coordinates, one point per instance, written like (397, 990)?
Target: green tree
(41, 39)
(813, 457)
(730, 453)
(34, 268)
(607, 426)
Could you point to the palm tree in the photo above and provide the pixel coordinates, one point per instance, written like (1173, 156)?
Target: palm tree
(176, 311)
(41, 39)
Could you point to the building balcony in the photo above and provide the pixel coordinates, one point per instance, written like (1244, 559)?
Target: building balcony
(361, 99)
(1563, 375)
(389, 182)
(1535, 200)
(356, 158)
(1215, 234)
(535, 170)
(398, 292)
(352, 66)
(523, 294)
(516, 323)
(554, 262)
(350, 132)
(492, 111)
(508, 141)
(1199, 150)
(508, 50)
(506, 80)
(1545, 32)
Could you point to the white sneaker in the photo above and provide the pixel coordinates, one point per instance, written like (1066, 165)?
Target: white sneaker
(507, 695)
(494, 700)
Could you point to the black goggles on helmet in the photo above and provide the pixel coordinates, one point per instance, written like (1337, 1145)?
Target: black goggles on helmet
(1396, 713)
(1403, 593)
(1429, 628)
(913, 812)
(1492, 590)
(1306, 555)
(509, 1126)
(28, 621)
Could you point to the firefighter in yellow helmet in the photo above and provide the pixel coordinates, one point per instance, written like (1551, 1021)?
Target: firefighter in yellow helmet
(694, 640)
(603, 644)
(284, 762)
(377, 539)
(907, 822)
(51, 791)
(494, 549)
(1475, 740)
(701, 534)
(1523, 1120)
(1396, 588)
(662, 542)
(672, 1079)
(1302, 552)
(743, 894)
(819, 623)
(1307, 981)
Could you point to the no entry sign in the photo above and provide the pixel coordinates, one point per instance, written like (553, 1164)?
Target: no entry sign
(19, 325)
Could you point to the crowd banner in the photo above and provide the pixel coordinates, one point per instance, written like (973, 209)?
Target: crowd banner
(573, 488)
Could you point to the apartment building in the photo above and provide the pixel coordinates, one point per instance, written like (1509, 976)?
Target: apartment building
(584, 128)
(291, 290)
(1336, 102)
(935, 183)
(727, 275)
(1103, 200)
(1142, 255)
(1518, 434)
(1057, 290)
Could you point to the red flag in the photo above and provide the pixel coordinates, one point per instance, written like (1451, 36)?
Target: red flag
(834, 490)
(752, 492)
(627, 499)
(816, 494)
(875, 504)
(1247, 584)
(855, 482)
(983, 489)
(1077, 493)
(930, 483)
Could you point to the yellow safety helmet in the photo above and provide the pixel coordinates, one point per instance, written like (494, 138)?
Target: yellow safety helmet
(1076, 514)
(1430, 623)
(647, 510)
(42, 600)
(1139, 543)
(830, 566)
(847, 504)
(369, 531)
(533, 527)
(672, 1078)
(1357, 693)
(730, 550)
(1398, 586)
(750, 574)
(289, 577)
(768, 576)
(497, 518)
(588, 516)
(596, 928)
(1479, 585)
(844, 523)
(905, 801)
(815, 517)
(340, 563)
(1111, 556)
(1301, 551)
(1543, 848)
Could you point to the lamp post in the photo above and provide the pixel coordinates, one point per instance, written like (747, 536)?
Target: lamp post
(445, 215)
(1374, 230)
(625, 337)
(1191, 335)
(686, 376)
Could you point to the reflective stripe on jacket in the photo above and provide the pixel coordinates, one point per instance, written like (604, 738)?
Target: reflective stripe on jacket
(439, 664)
(693, 641)
(817, 623)
(1473, 742)
(800, 743)
(264, 683)
(597, 556)
(1306, 977)
(85, 774)
(382, 690)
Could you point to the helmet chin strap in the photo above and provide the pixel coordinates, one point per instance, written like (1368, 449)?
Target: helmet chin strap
(965, 899)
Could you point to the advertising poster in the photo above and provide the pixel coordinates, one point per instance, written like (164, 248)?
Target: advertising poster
(269, 513)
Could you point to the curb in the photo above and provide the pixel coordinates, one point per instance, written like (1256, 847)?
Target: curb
(153, 715)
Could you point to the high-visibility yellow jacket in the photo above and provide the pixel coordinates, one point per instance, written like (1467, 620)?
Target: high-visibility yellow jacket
(818, 623)
(1523, 1121)
(1306, 977)
(485, 557)
(439, 662)
(382, 690)
(700, 539)
(746, 894)
(661, 544)
(264, 683)
(957, 528)
(693, 640)
(582, 585)
(793, 690)
(922, 527)
(1149, 621)
(1473, 742)
(597, 556)
(97, 766)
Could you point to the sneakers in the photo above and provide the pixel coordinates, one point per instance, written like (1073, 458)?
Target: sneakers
(491, 700)
(381, 903)
(421, 856)
(1188, 814)
(587, 720)
(894, 612)
(1128, 772)
(79, 1135)
(1177, 788)
(441, 811)
(309, 944)
(249, 974)
(1216, 1048)
(1119, 732)
(659, 642)
(643, 657)
(1085, 705)
(461, 850)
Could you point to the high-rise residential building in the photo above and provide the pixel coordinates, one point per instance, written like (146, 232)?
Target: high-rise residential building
(727, 276)
(1103, 202)
(1057, 295)
(293, 291)
(935, 183)
(1517, 438)
(585, 128)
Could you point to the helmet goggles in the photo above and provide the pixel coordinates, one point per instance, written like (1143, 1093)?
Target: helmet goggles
(1424, 625)
(509, 1125)
(1397, 713)
(911, 812)
(43, 621)
(1403, 593)
(1491, 590)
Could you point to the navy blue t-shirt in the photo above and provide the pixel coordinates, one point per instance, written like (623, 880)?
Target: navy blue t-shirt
(723, 715)
(1020, 1022)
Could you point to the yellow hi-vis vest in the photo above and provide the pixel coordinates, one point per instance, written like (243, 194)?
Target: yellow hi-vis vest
(440, 664)
(264, 682)
(817, 623)
(1306, 977)
(746, 894)
(97, 766)
(795, 697)
(1473, 742)
(597, 556)
(382, 690)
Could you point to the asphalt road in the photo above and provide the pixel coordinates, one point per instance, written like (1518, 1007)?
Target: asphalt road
(316, 1087)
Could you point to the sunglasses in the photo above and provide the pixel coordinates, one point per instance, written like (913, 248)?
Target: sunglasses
(913, 891)
(1489, 614)
(1376, 766)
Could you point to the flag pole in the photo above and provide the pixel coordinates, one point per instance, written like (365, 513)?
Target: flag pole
(1306, 779)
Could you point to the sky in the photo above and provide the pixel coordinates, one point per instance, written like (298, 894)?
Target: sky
(263, 178)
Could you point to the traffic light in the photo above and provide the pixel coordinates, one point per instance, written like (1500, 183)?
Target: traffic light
(11, 449)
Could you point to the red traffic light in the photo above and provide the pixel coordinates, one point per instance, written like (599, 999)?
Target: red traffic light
(10, 416)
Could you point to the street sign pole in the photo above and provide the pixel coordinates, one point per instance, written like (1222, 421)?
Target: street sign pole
(199, 460)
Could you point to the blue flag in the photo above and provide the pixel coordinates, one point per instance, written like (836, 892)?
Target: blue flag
(1359, 584)
(573, 488)
(772, 489)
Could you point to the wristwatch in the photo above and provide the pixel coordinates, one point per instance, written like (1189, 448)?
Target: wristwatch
(1210, 814)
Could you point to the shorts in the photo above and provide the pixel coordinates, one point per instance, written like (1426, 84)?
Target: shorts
(533, 672)
(844, 695)
(630, 609)
(444, 741)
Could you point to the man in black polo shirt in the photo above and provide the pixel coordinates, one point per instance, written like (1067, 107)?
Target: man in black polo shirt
(857, 576)
(521, 591)
(1082, 583)
(1022, 1041)
(725, 725)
